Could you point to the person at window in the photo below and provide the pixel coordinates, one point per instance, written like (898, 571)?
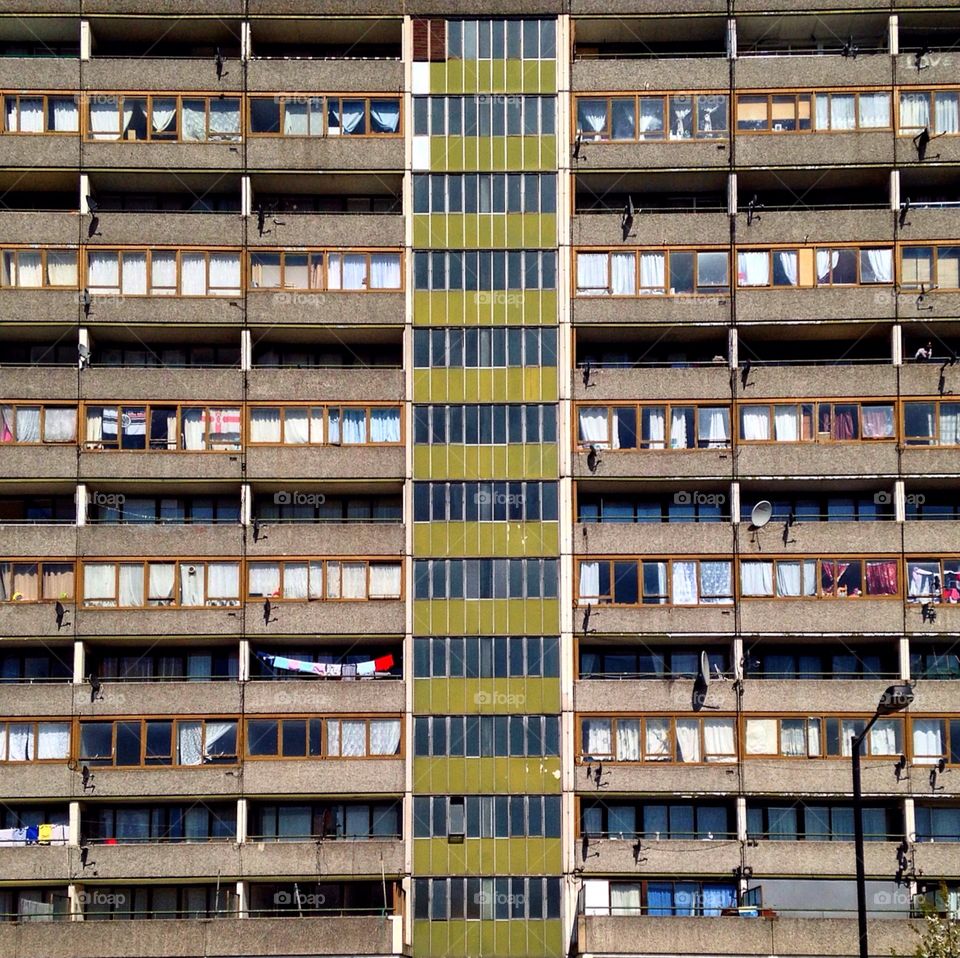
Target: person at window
(924, 354)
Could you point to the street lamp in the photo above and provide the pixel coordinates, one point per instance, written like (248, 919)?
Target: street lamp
(894, 699)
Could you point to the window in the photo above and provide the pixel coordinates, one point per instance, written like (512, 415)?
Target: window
(854, 661)
(40, 113)
(485, 115)
(691, 898)
(487, 816)
(35, 268)
(931, 506)
(640, 582)
(484, 193)
(158, 901)
(145, 824)
(324, 425)
(683, 116)
(937, 823)
(933, 738)
(453, 899)
(29, 741)
(34, 904)
(484, 348)
(485, 736)
(32, 664)
(37, 425)
(341, 270)
(163, 272)
(624, 662)
(304, 580)
(485, 501)
(819, 577)
(317, 737)
(317, 115)
(163, 118)
(310, 821)
(670, 739)
(818, 822)
(808, 267)
(935, 110)
(852, 111)
(122, 509)
(486, 657)
(485, 578)
(934, 661)
(811, 508)
(486, 424)
(136, 742)
(319, 507)
(681, 506)
(162, 428)
(681, 821)
(933, 580)
(160, 584)
(817, 422)
(27, 581)
(931, 423)
(344, 898)
(653, 272)
(501, 40)
(165, 664)
(646, 427)
(791, 112)
(814, 737)
(340, 663)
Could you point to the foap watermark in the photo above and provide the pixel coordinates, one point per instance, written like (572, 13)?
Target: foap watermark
(498, 297)
(691, 497)
(300, 899)
(288, 298)
(500, 699)
(291, 497)
(498, 898)
(101, 898)
(494, 498)
(109, 499)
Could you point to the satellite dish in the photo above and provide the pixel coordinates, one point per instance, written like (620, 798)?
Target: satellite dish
(761, 514)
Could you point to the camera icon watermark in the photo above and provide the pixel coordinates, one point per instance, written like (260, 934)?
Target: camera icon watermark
(100, 898)
(300, 899)
(498, 297)
(294, 498)
(693, 498)
(488, 498)
(883, 498)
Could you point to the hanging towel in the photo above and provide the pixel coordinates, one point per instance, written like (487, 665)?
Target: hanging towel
(366, 668)
(46, 833)
(33, 834)
(383, 664)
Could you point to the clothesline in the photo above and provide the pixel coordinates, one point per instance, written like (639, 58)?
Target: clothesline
(329, 669)
(44, 834)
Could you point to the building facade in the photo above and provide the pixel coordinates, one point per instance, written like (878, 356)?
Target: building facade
(466, 475)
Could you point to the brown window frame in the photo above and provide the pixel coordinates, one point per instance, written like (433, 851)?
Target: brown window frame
(581, 445)
(323, 562)
(821, 559)
(931, 92)
(324, 253)
(42, 407)
(699, 290)
(324, 719)
(814, 435)
(91, 136)
(208, 252)
(604, 136)
(325, 98)
(46, 97)
(821, 719)
(933, 284)
(209, 445)
(70, 564)
(174, 603)
(36, 723)
(326, 409)
(668, 561)
(807, 266)
(44, 251)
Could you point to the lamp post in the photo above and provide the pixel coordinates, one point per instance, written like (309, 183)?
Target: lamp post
(894, 699)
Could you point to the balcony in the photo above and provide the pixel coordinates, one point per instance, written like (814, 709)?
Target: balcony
(303, 307)
(37, 698)
(692, 620)
(183, 8)
(332, 75)
(35, 863)
(657, 695)
(622, 7)
(42, 73)
(325, 462)
(652, 310)
(801, 226)
(844, 616)
(825, 537)
(685, 73)
(667, 229)
(329, 229)
(41, 781)
(111, 464)
(863, 148)
(37, 306)
(158, 310)
(944, 150)
(325, 384)
(814, 71)
(42, 383)
(327, 538)
(815, 695)
(35, 619)
(811, 305)
(147, 73)
(324, 696)
(675, 858)
(821, 859)
(368, 776)
(175, 384)
(35, 152)
(158, 698)
(40, 226)
(929, 460)
(783, 382)
(653, 538)
(818, 459)
(325, 153)
(733, 936)
(109, 539)
(654, 778)
(161, 622)
(655, 382)
(214, 938)
(825, 777)
(165, 229)
(122, 155)
(658, 463)
(653, 154)
(373, 617)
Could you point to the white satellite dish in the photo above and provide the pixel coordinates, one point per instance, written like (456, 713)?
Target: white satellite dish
(704, 669)
(761, 514)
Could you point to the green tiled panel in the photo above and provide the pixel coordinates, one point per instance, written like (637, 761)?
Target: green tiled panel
(488, 939)
(476, 539)
(489, 153)
(497, 308)
(534, 461)
(483, 776)
(494, 76)
(484, 230)
(487, 856)
(512, 384)
(486, 616)
(486, 696)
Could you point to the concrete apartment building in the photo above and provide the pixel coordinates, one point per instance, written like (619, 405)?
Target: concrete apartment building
(387, 391)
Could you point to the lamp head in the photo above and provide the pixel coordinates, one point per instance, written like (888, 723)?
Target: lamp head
(895, 699)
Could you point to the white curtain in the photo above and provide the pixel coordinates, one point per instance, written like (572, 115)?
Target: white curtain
(761, 737)
(191, 584)
(28, 424)
(60, 424)
(225, 119)
(753, 268)
(589, 587)
(593, 426)
(624, 274)
(194, 113)
(949, 424)
(946, 111)
(625, 898)
(874, 110)
(353, 738)
(384, 425)
(294, 118)
(105, 118)
(716, 580)
(718, 739)
(685, 591)
(99, 583)
(928, 743)
(31, 114)
(843, 114)
(103, 271)
(384, 580)
(215, 733)
(163, 113)
(223, 583)
(193, 274)
(884, 738)
(656, 742)
(597, 738)
(793, 739)
(61, 267)
(914, 110)
(756, 577)
(134, 274)
(353, 580)
(714, 427)
(591, 115)
(384, 736)
(754, 423)
(296, 425)
(192, 424)
(879, 266)
(65, 115)
(592, 274)
(53, 740)
(628, 740)
(160, 583)
(20, 744)
(189, 742)
(788, 263)
(265, 424)
(163, 273)
(264, 579)
(786, 423)
(131, 584)
(826, 260)
(688, 740)
(653, 272)
(384, 271)
(224, 274)
(678, 430)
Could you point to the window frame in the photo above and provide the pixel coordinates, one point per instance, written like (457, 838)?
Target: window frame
(324, 718)
(325, 107)
(325, 409)
(645, 292)
(208, 412)
(89, 135)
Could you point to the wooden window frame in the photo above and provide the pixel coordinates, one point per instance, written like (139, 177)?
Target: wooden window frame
(323, 562)
(941, 560)
(604, 137)
(40, 563)
(933, 285)
(666, 560)
(148, 252)
(45, 97)
(324, 253)
(820, 560)
(644, 445)
(815, 437)
(36, 722)
(326, 409)
(90, 136)
(650, 292)
(8, 249)
(325, 99)
(822, 718)
(931, 92)
(42, 407)
(324, 718)
(209, 447)
(174, 603)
